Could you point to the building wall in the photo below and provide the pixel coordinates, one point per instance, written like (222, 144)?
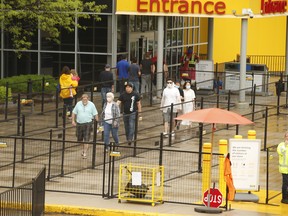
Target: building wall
(265, 37)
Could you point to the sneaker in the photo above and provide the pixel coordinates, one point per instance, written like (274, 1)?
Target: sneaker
(285, 201)
(84, 156)
(165, 134)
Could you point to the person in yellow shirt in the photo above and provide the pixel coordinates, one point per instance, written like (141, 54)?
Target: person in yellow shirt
(282, 151)
(68, 89)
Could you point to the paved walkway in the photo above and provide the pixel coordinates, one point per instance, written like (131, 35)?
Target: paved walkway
(94, 205)
(65, 203)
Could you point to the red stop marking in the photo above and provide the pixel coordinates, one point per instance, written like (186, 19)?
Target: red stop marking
(215, 198)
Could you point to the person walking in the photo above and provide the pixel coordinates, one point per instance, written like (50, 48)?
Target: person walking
(83, 115)
(67, 89)
(110, 117)
(131, 104)
(282, 151)
(147, 72)
(107, 83)
(122, 72)
(170, 96)
(134, 74)
(188, 103)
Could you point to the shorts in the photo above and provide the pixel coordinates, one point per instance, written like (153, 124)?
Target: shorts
(83, 131)
(167, 115)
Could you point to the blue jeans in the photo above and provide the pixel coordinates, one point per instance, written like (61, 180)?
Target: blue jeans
(104, 91)
(107, 129)
(129, 124)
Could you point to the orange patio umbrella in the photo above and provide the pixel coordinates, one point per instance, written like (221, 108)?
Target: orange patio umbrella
(214, 116)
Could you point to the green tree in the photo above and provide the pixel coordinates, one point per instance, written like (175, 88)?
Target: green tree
(22, 18)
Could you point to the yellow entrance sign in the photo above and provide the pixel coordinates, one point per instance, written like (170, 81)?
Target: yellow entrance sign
(203, 8)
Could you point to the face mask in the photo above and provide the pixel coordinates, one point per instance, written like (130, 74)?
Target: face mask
(109, 99)
(177, 86)
(188, 87)
(169, 85)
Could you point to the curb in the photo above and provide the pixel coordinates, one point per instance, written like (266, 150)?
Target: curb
(78, 210)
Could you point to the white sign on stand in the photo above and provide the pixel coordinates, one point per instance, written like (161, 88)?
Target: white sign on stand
(205, 74)
(245, 160)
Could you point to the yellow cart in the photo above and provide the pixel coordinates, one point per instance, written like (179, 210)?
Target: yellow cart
(141, 183)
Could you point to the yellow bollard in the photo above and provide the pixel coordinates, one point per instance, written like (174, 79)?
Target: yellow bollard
(238, 137)
(207, 147)
(222, 150)
(251, 134)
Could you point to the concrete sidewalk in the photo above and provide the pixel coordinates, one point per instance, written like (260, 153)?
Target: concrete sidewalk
(95, 205)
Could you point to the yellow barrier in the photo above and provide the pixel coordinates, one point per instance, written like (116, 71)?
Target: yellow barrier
(238, 137)
(206, 167)
(251, 134)
(222, 150)
(141, 183)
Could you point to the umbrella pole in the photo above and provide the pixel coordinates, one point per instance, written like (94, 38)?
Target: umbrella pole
(208, 209)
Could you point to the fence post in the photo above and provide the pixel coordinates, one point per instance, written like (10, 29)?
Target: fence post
(202, 101)
(171, 124)
(161, 150)
(63, 140)
(18, 114)
(57, 108)
(200, 147)
(94, 144)
(6, 101)
(266, 129)
(135, 132)
(29, 89)
(50, 156)
(267, 175)
(252, 88)
(253, 104)
(92, 92)
(42, 95)
(23, 140)
(14, 162)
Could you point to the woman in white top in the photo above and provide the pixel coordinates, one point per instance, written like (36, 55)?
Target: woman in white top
(110, 118)
(189, 102)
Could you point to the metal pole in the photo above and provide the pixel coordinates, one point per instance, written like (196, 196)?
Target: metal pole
(266, 129)
(160, 49)
(210, 38)
(243, 53)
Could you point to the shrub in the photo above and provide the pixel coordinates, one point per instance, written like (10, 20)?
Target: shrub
(19, 84)
(3, 94)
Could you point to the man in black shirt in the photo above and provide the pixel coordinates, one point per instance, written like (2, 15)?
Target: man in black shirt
(131, 104)
(106, 79)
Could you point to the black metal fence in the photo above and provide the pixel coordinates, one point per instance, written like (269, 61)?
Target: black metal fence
(68, 172)
(25, 200)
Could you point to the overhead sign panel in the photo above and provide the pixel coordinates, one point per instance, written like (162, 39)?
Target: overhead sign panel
(203, 8)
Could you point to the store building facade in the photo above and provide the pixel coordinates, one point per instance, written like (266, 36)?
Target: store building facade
(132, 29)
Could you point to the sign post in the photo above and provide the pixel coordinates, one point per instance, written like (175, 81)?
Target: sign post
(215, 198)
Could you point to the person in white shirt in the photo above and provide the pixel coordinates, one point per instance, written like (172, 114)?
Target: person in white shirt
(170, 96)
(189, 102)
(110, 117)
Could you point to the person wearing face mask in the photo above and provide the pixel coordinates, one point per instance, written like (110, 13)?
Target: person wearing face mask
(111, 118)
(82, 117)
(170, 96)
(189, 102)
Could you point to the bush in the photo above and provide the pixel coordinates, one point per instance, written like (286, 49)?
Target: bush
(19, 84)
(3, 94)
